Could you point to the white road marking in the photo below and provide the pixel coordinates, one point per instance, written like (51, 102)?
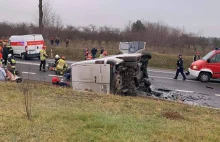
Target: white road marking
(217, 95)
(27, 63)
(37, 64)
(161, 71)
(185, 91)
(54, 75)
(178, 79)
(29, 72)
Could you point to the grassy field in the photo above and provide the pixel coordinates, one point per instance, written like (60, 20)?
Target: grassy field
(60, 114)
(165, 61)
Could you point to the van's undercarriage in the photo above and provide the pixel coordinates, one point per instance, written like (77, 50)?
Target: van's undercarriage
(129, 74)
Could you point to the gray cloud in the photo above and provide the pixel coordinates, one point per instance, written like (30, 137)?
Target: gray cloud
(195, 15)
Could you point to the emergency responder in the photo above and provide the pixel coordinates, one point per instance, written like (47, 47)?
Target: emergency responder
(94, 51)
(196, 57)
(61, 65)
(86, 53)
(103, 54)
(11, 65)
(180, 68)
(57, 57)
(43, 56)
(10, 49)
(5, 54)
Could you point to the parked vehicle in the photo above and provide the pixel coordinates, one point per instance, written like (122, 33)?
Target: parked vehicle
(208, 67)
(117, 74)
(27, 46)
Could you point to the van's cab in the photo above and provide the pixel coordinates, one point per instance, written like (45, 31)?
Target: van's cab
(27, 46)
(208, 67)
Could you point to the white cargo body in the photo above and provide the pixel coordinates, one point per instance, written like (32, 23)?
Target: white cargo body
(27, 46)
(98, 75)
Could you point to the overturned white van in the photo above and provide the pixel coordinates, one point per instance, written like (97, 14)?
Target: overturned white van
(27, 46)
(112, 74)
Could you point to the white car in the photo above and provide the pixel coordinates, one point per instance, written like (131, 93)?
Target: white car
(26, 46)
(112, 74)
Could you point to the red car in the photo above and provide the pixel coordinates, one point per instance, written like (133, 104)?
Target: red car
(208, 67)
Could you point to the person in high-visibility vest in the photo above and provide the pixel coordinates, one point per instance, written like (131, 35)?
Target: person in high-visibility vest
(10, 49)
(61, 65)
(43, 56)
(11, 65)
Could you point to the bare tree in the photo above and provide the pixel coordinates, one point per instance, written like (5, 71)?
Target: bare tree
(40, 16)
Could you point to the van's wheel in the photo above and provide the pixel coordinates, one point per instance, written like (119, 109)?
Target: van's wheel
(23, 57)
(204, 77)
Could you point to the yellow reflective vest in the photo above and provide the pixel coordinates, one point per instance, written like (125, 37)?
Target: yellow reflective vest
(43, 55)
(61, 64)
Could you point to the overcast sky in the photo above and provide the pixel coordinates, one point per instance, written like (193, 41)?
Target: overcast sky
(199, 16)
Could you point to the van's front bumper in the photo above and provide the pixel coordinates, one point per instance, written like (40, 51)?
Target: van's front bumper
(193, 72)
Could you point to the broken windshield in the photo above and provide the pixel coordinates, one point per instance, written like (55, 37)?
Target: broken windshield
(207, 56)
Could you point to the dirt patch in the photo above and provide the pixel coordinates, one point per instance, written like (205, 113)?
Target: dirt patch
(173, 116)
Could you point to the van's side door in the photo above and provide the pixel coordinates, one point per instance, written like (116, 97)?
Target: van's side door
(214, 65)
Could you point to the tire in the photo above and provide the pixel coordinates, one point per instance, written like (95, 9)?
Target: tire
(23, 56)
(204, 77)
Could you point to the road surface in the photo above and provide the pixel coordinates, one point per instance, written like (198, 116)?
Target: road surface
(161, 78)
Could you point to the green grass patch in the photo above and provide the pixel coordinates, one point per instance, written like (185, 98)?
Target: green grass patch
(60, 114)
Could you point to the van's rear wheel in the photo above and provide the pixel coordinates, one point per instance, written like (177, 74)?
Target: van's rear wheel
(204, 77)
(23, 57)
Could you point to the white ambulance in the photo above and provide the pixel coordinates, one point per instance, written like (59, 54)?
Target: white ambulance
(27, 46)
(112, 74)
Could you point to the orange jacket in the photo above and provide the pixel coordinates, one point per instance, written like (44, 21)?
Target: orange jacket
(89, 57)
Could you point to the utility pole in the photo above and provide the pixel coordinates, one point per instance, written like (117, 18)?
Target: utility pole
(41, 26)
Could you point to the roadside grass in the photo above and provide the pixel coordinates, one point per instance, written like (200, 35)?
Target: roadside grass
(164, 61)
(61, 114)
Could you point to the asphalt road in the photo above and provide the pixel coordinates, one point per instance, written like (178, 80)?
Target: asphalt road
(161, 78)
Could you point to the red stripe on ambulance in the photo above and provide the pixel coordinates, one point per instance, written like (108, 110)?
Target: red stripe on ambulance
(35, 42)
(17, 43)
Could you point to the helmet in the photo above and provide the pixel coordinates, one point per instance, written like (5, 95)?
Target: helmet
(57, 56)
(105, 53)
(63, 57)
(44, 47)
(9, 55)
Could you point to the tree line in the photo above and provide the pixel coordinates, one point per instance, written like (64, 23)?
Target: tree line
(155, 34)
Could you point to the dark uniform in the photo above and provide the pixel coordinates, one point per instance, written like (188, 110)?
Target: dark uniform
(10, 50)
(196, 57)
(94, 51)
(102, 50)
(5, 54)
(180, 68)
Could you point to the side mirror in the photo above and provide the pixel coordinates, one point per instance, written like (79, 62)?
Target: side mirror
(209, 61)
